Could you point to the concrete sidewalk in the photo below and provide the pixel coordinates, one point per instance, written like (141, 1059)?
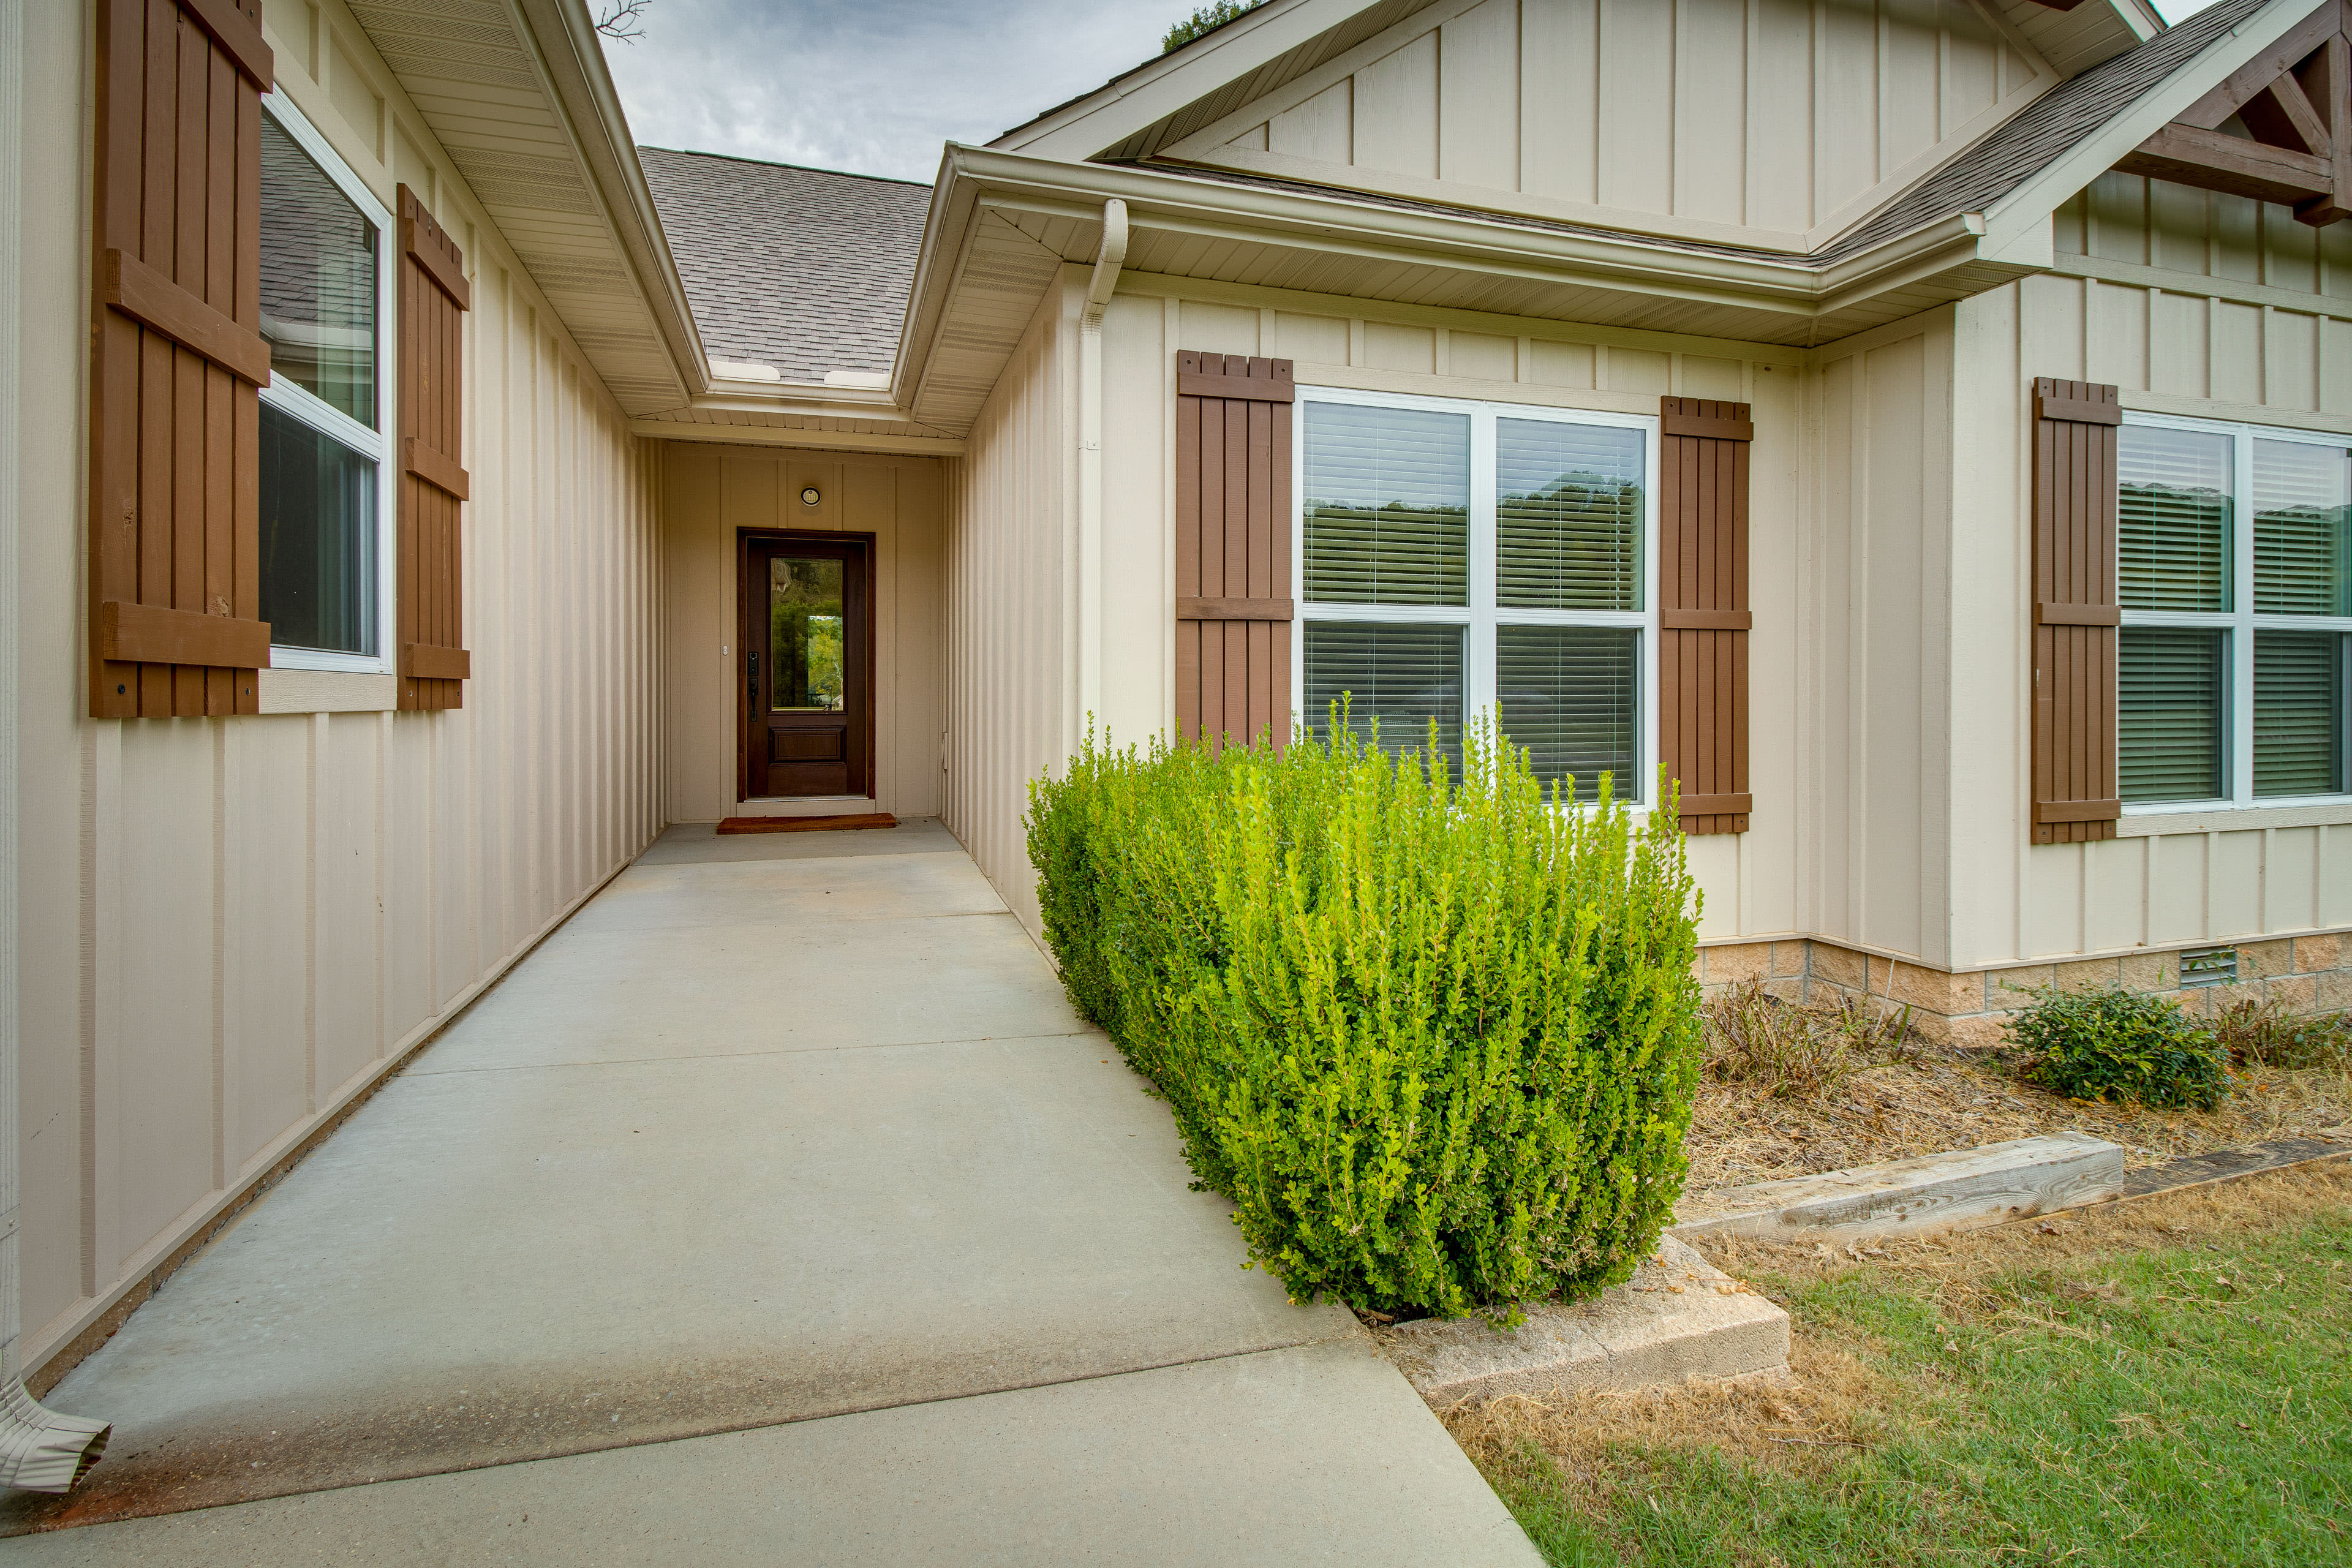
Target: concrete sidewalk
(777, 1207)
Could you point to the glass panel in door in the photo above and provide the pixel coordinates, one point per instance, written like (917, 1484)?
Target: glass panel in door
(807, 622)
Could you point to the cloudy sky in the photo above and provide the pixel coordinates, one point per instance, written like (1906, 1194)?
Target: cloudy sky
(874, 86)
(870, 85)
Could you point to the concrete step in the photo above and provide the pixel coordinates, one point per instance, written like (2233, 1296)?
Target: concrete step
(1678, 1317)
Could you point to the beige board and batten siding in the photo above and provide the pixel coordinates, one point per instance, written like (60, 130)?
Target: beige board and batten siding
(1757, 884)
(1764, 122)
(710, 495)
(1014, 708)
(2192, 303)
(242, 923)
(1877, 641)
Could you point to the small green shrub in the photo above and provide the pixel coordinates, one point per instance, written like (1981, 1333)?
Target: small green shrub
(2264, 1033)
(2129, 1046)
(1437, 1041)
(1799, 1053)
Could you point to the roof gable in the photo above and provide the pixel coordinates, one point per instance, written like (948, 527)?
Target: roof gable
(1772, 125)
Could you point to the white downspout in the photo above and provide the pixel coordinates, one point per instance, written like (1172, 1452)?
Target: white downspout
(1109, 259)
(40, 1450)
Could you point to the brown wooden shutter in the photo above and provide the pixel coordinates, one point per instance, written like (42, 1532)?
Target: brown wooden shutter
(1234, 604)
(1703, 615)
(176, 360)
(434, 297)
(2076, 614)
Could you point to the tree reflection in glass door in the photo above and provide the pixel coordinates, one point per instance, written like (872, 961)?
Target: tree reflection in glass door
(806, 620)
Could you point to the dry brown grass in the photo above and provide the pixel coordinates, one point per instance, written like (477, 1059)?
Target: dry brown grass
(1944, 1100)
(1801, 1053)
(1834, 1403)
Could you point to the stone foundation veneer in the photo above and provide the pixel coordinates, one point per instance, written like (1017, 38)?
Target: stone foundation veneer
(2307, 973)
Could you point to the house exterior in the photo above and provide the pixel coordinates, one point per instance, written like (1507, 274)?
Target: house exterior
(1924, 427)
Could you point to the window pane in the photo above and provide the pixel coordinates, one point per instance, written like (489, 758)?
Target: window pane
(318, 279)
(2298, 714)
(1568, 516)
(2172, 682)
(2173, 496)
(1403, 675)
(318, 538)
(1388, 506)
(1571, 696)
(804, 630)
(2301, 500)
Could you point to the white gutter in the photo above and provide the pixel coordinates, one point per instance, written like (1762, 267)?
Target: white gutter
(40, 1450)
(1109, 256)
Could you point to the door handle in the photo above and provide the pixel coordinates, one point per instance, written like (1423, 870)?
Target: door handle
(751, 672)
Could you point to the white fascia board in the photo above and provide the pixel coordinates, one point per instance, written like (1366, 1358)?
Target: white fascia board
(1157, 89)
(947, 234)
(2017, 225)
(579, 89)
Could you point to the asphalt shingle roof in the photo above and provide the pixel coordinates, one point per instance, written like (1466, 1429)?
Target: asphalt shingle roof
(804, 270)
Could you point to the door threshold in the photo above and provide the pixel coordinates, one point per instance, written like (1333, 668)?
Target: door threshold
(847, 823)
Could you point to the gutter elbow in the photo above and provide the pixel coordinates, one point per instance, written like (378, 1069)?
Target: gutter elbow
(1108, 257)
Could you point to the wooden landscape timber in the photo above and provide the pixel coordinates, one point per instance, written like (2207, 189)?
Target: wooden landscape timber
(1957, 1191)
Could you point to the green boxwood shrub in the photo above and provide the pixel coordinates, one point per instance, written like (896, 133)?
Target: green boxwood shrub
(2109, 1043)
(1437, 1040)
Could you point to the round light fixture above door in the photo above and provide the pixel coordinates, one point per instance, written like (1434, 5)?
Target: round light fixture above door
(810, 496)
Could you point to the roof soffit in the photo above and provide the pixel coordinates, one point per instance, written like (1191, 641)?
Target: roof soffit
(517, 93)
(2073, 41)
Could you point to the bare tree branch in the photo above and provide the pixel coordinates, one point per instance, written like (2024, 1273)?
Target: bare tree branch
(624, 19)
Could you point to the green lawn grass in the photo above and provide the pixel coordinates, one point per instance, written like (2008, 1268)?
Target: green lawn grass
(2113, 1405)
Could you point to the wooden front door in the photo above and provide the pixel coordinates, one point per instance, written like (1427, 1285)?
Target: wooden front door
(807, 676)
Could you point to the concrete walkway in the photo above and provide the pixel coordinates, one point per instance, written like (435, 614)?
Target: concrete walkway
(777, 1208)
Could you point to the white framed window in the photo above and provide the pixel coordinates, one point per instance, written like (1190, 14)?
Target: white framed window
(1459, 559)
(327, 474)
(2234, 550)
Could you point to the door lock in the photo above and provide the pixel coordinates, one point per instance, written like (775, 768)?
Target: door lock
(751, 672)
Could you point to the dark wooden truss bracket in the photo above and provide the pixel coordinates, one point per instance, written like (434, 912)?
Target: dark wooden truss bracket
(2279, 129)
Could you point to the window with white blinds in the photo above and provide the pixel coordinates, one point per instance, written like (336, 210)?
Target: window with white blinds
(1388, 506)
(2232, 567)
(1459, 559)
